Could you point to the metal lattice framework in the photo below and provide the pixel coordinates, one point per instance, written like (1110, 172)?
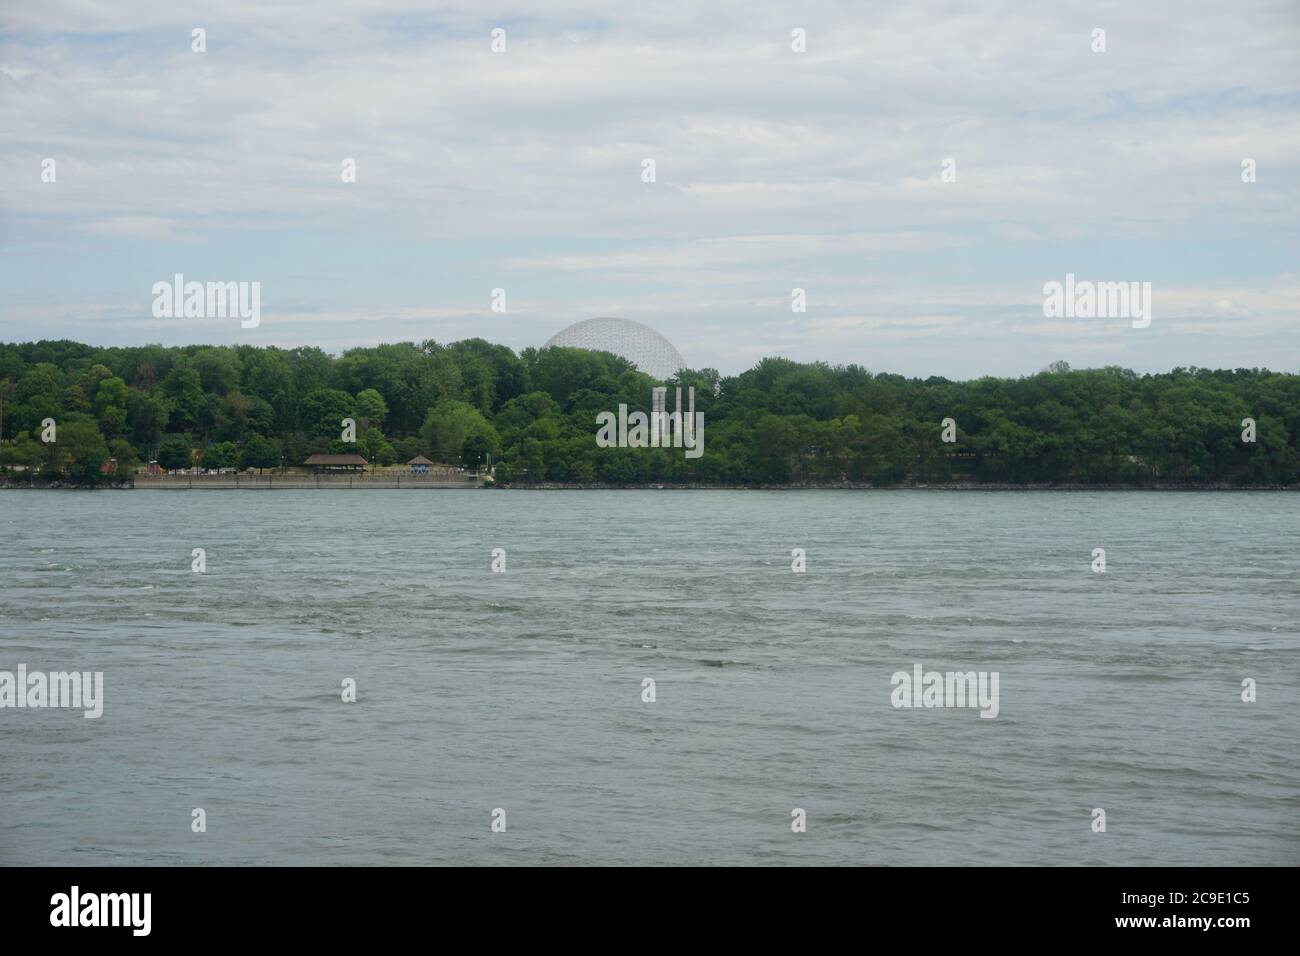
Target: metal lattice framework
(639, 344)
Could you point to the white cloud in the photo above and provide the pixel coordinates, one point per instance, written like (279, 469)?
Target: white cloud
(773, 167)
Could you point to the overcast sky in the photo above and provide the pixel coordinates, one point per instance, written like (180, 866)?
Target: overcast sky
(522, 170)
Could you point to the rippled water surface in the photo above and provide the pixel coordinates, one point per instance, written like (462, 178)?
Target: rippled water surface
(522, 690)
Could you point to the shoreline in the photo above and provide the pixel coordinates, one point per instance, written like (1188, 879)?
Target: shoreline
(307, 484)
(905, 486)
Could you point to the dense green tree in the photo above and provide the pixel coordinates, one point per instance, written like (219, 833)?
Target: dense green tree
(371, 406)
(175, 452)
(322, 411)
(408, 448)
(24, 450)
(260, 452)
(221, 455)
(376, 448)
(81, 449)
(148, 414)
(450, 424)
(535, 413)
(218, 369)
(189, 405)
(128, 459)
(238, 415)
(110, 404)
(270, 378)
(477, 449)
(505, 376)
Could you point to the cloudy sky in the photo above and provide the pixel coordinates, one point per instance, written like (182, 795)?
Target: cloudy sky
(775, 169)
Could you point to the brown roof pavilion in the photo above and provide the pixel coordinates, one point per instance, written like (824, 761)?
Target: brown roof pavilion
(419, 460)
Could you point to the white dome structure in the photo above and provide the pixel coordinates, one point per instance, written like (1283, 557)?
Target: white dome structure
(639, 344)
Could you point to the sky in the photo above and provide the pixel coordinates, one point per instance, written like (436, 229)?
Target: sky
(775, 169)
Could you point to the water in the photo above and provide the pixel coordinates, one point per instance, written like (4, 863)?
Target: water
(522, 690)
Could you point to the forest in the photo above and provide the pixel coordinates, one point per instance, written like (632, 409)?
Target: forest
(532, 415)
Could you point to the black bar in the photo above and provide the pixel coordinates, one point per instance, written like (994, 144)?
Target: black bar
(929, 908)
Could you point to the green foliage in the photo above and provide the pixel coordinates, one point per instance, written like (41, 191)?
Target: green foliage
(80, 449)
(148, 414)
(535, 414)
(23, 450)
(452, 426)
(371, 406)
(322, 411)
(110, 404)
(221, 455)
(175, 452)
(408, 448)
(260, 452)
(189, 405)
(127, 457)
(376, 449)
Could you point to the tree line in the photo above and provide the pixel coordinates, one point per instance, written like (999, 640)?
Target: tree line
(533, 415)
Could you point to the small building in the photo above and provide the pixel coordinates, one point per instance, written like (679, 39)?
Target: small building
(329, 464)
(109, 467)
(420, 466)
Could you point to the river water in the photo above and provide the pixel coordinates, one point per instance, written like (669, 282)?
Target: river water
(523, 690)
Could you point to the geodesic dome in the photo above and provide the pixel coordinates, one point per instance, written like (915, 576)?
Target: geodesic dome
(639, 344)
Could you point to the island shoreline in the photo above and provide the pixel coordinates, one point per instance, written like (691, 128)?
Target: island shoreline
(362, 484)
